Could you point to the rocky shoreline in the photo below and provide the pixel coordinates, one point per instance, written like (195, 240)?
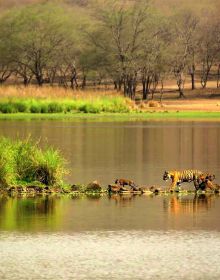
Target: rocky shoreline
(94, 188)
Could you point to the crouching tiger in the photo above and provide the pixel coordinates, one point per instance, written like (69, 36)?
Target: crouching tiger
(188, 176)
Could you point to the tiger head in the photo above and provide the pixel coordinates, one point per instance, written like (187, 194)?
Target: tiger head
(166, 176)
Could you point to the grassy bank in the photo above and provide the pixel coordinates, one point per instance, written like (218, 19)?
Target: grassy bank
(25, 163)
(59, 103)
(50, 106)
(108, 117)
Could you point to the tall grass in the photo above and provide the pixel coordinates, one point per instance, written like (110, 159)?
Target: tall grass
(59, 100)
(24, 162)
(7, 91)
(97, 105)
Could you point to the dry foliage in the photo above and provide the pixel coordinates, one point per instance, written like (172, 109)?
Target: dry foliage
(51, 93)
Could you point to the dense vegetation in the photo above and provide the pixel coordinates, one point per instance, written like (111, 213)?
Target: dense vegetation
(107, 105)
(132, 44)
(24, 162)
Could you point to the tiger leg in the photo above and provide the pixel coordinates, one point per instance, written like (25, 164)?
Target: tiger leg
(197, 184)
(173, 185)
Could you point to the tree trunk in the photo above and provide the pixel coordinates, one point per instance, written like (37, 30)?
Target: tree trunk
(180, 84)
(192, 74)
(161, 91)
(83, 82)
(193, 80)
(39, 79)
(204, 80)
(205, 74)
(4, 76)
(146, 85)
(218, 77)
(181, 93)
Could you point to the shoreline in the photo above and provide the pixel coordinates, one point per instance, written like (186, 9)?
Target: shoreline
(111, 117)
(90, 191)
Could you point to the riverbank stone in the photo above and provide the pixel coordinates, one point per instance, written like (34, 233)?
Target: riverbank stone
(93, 187)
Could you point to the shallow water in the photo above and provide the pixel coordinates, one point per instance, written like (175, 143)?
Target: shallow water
(117, 237)
(111, 255)
(141, 151)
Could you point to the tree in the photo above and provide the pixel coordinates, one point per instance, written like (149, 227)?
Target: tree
(118, 38)
(209, 46)
(153, 54)
(182, 47)
(39, 33)
(6, 62)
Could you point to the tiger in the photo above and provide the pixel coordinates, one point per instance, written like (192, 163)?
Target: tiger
(125, 182)
(188, 176)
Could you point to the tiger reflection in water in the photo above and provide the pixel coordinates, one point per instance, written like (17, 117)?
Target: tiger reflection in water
(178, 205)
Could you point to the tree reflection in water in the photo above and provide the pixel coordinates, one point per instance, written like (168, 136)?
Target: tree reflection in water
(29, 213)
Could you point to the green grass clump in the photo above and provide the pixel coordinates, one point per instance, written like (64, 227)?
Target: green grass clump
(44, 106)
(25, 161)
(7, 163)
(7, 108)
(20, 106)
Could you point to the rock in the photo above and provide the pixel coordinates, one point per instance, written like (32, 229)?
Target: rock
(126, 189)
(155, 190)
(75, 188)
(56, 190)
(33, 188)
(136, 189)
(153, 104)
(11, 189)
(93, 187)
(30, 189)
(20, 189)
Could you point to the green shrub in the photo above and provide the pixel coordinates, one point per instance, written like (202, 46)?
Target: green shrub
(7, 163)
(25, 158)
(93, 106)
(25, 161)
(89, 108)
(35, 108)
(55, 107)
(49, 168)
(44, 108)
(7, 108)
(21, 106)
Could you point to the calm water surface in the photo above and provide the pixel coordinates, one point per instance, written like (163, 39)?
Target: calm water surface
(141, 151)
(117, 237)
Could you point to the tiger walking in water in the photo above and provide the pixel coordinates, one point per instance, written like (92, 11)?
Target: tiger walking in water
(188, 176)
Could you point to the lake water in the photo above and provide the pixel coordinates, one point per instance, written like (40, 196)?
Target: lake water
(117, 237)
(141, 151)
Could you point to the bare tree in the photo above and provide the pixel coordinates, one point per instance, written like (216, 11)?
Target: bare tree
(119, 37)
(182, 47)
(209, 46)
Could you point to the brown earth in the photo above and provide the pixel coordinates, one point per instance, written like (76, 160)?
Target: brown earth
(207, 100)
